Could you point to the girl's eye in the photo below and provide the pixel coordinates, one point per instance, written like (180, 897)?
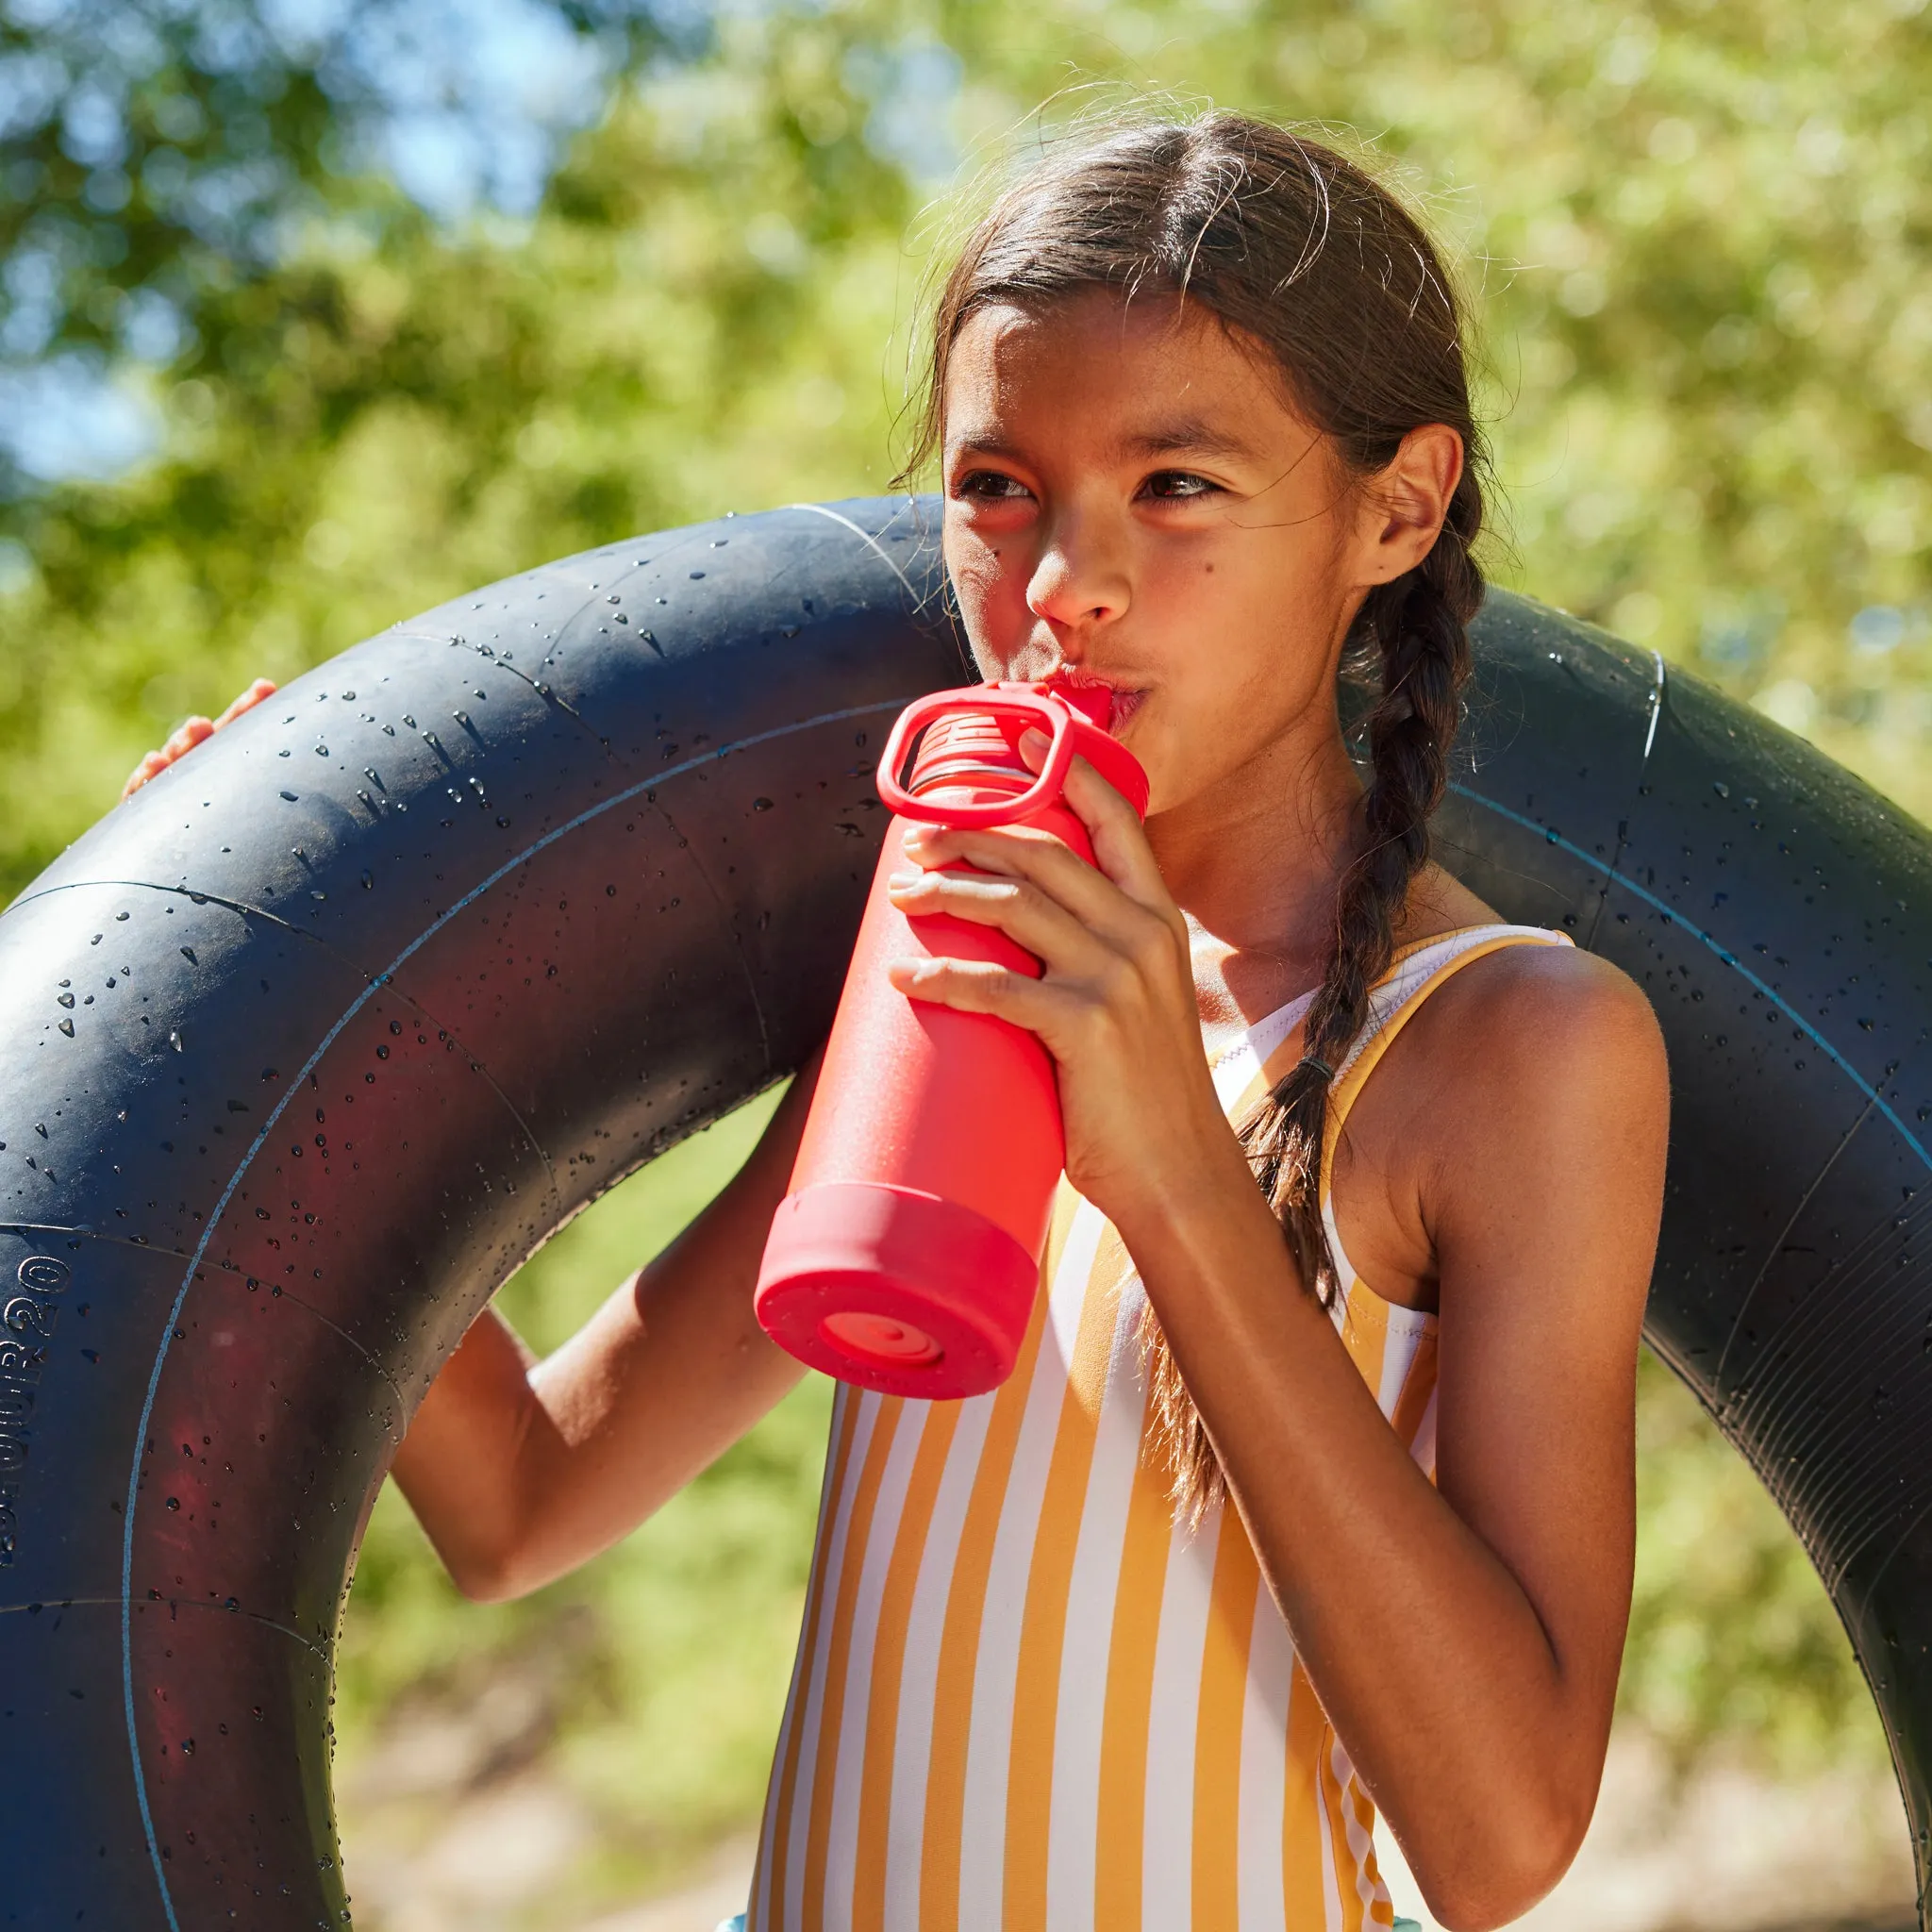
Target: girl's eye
(990, 486)
(1173, 486)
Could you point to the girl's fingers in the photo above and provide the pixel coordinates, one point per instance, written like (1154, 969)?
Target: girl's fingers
(152, 762)
(155, 762)
(194, 731)
(1096, 900)
(1131, 952)
(186, 737)
(262, 688)
(1020, 909)
(973, 986)
(1119, 841)
(1039, 860)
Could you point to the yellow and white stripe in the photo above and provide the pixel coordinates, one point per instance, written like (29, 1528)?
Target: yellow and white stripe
(1024, 1698)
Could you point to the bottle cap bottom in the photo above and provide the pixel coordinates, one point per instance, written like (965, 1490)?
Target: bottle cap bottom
(895, 1290)
(879, 1337)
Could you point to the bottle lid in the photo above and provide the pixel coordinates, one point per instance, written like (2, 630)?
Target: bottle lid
(1091, 706)
(979, 747)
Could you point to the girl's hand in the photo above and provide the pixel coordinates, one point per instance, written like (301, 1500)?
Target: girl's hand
(191, 734)
(1115, 1005)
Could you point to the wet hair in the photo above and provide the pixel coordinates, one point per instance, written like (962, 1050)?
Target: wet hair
(1296, 249)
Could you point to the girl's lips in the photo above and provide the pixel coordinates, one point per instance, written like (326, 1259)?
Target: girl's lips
(1120, 705)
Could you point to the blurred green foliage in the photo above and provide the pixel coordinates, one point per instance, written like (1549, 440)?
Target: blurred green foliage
(1731, 1642)
(1696, 238)
(155, 157)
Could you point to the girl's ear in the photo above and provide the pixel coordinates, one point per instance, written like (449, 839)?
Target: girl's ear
(1403, 508)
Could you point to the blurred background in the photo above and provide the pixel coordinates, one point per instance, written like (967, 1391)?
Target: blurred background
(314, 313)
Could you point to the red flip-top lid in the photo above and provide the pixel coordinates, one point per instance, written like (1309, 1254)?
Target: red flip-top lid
(967, 745)
(1091, 706)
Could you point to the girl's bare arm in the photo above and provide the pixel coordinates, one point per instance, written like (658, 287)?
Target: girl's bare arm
(1464, 1639)
(520, 1470)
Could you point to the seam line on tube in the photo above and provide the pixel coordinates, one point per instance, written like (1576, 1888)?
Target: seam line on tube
(182, 1602)
(704, 872)
(1656, 708)
(1657, 703)
(866, 538)
(226, 1267)
(245, 910)
(1723, 1410)
(254, 1146)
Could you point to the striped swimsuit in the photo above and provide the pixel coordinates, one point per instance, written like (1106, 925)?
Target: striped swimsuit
(1023, 1698)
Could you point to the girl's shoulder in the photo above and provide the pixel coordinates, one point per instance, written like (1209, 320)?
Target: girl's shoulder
(1525, 1054)
(1518, 1117)
(1546, 1003)
(1504, 1049)
(1543, 1002)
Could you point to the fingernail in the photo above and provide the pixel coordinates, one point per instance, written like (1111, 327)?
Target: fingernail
(901, 882)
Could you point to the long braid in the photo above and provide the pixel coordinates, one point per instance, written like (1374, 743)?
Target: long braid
(1417, 624)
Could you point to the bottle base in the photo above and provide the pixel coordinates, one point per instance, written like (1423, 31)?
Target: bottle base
(895, 1290)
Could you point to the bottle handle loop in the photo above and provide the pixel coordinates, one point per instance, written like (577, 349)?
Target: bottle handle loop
(1040, 707)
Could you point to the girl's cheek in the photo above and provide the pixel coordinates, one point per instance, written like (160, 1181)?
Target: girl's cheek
(975, 574)
(996, 619)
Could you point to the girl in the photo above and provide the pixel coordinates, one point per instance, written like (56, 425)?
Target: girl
(1310, 1499)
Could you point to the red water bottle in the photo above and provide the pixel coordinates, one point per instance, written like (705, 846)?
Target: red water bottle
(906, 1256)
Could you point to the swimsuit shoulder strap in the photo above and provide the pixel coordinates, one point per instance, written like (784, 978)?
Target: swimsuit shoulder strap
(1416, 973)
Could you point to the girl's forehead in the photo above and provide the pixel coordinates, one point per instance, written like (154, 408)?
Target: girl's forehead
(1171, 373)
(1100, 324)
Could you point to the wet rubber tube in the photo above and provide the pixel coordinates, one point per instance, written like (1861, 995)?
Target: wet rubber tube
(305, 1048)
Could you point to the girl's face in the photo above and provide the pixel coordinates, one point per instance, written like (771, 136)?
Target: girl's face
(1131, 500)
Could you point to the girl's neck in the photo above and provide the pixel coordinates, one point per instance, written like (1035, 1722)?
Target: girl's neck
(1255, 864)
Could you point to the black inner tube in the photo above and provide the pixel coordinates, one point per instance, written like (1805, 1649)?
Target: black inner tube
(306, 1047)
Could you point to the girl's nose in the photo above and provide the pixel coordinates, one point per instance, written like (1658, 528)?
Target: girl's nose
(1076, 584)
